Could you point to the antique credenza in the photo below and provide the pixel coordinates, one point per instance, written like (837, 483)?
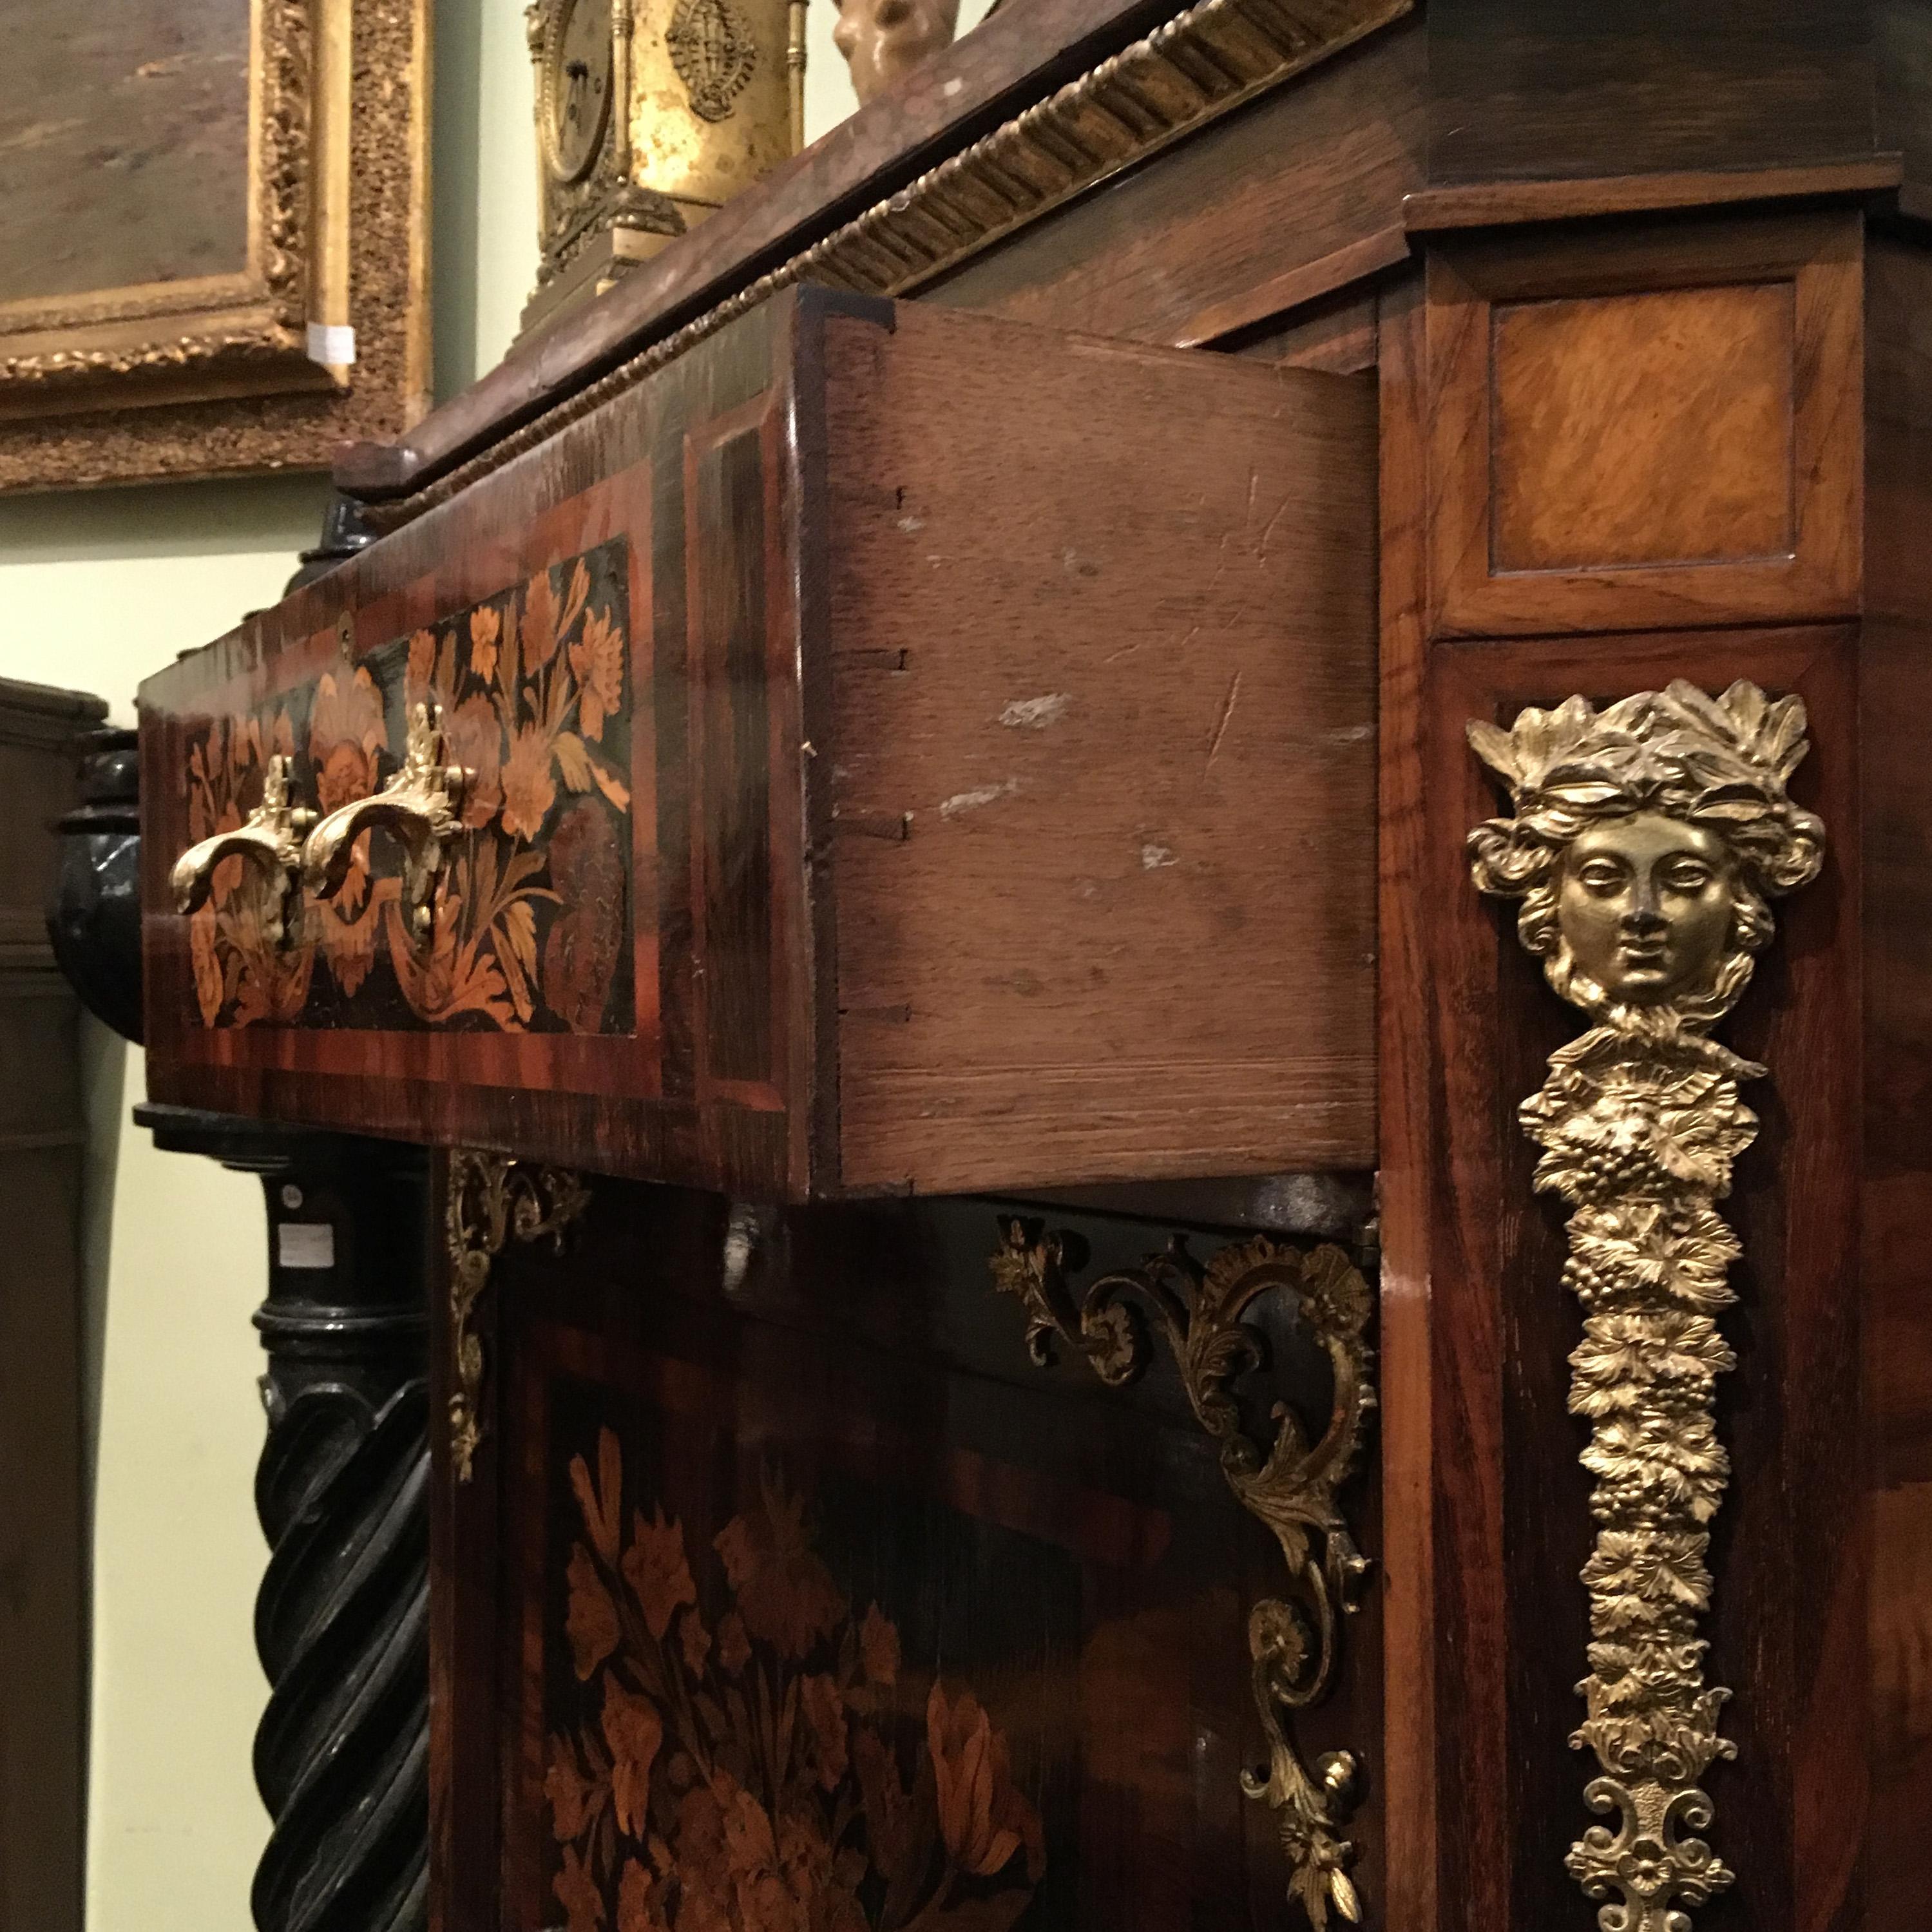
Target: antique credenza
(895, 799)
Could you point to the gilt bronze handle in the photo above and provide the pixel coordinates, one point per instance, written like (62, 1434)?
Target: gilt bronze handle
(268, 841)
(419, 808)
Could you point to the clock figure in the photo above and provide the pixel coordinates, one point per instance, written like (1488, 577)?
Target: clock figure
(651, 114)
(579, 65)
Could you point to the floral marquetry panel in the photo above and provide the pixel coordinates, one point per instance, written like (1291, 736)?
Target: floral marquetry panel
(476, 799)
(807, 1625)
(731, 1739)
(531, 930)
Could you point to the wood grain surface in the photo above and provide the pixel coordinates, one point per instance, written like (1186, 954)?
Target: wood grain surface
(962, 656)
(1101, 769)
(1527, 87)
(1646, 427)
(1493, 204)
(1895, 648)
(1410, 1120)
(1639, 429)
(1298, 194)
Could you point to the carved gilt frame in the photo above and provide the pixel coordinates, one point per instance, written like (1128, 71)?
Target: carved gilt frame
(321, 335)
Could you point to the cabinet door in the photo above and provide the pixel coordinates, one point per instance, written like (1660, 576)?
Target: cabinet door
(896, 749)
(797, 1572)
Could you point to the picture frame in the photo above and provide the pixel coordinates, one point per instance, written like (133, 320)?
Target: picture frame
(215, 261)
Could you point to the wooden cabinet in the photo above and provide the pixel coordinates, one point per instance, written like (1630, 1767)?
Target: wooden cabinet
(903, 751)
(907, 747)
(740, 1550)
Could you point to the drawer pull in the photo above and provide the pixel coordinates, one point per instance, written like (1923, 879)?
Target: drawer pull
(268, 843)
(418, 807)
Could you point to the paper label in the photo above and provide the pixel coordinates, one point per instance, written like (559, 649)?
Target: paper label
(332, 344)
(305, 1244)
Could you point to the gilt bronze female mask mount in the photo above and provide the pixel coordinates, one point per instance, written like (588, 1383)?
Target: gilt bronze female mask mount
(1647, 842)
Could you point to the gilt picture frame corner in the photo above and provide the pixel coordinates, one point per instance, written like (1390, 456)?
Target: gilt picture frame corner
(212, 254)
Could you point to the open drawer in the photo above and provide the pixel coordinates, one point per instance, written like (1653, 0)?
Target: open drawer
(885, 748)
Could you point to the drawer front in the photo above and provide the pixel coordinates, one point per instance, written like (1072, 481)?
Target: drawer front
(603, 630)
(531, 929)
(898, 750)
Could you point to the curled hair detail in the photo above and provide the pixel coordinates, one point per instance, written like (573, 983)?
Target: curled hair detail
(1721, 765)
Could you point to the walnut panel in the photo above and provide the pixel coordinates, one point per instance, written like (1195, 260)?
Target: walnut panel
(1645, 428)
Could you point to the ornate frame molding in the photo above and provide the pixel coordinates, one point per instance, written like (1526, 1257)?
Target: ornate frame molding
(1214, 57)
(215, 374)
(1291, 1484)
(256, 318)
(490, 1198)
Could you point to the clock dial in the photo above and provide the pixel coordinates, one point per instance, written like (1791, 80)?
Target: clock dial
(579, 82)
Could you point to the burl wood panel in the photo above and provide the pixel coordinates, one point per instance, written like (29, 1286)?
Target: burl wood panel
(814, 1480)
(1645, 427)
(1642, 429)
(1102, 854)
(1896, 654)
(861, 715)
(1486, 1509)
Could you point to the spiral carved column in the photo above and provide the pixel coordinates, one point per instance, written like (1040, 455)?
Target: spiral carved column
(341, 1622)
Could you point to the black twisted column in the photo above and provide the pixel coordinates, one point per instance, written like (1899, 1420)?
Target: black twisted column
(341, 1622)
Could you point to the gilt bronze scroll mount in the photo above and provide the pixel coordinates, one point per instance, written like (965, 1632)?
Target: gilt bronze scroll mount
(267, 846)
(1290, 1483)
(1646, 842)
(491, 1199)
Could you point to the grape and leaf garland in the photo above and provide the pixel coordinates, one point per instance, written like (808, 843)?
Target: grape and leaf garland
(1646, 841)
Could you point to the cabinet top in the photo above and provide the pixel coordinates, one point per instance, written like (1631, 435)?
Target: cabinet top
(1521, 109)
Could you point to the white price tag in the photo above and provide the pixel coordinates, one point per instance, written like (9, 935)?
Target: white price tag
(333, 344)
(305, 1244)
